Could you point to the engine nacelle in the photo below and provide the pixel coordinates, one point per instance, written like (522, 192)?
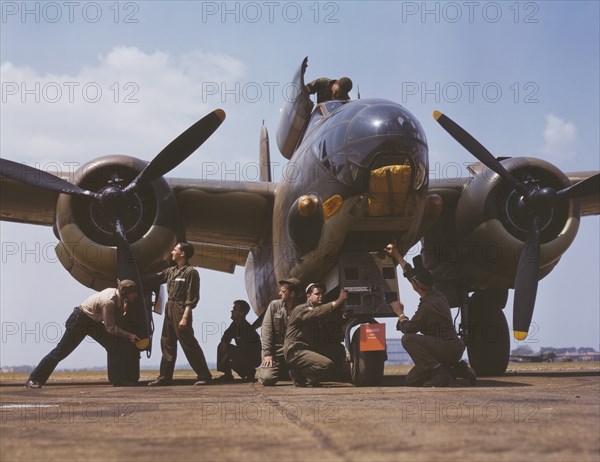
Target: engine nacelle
(87, 247)
(492, 225)
(305, 222)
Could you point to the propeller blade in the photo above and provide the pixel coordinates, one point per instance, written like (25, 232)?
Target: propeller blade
(477, 149)
(127, 269)
(34, 177)
(180, 148)
(526, 282)
(588, 187)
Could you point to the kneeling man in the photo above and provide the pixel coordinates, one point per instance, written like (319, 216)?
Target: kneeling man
(437, 348)
(301, 340)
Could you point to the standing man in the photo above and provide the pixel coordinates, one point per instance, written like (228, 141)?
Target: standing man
(95, 317)
(183, 289)
(274, 328)
(301, 340)
(330, 89)
(244, 356)
(437, 348)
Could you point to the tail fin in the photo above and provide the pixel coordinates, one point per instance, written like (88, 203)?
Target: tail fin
(265, 156)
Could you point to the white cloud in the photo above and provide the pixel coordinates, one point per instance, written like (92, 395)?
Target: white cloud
(560, 139)
(130, 102)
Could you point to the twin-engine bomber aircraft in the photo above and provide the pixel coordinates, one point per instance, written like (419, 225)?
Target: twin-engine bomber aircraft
(360, 181)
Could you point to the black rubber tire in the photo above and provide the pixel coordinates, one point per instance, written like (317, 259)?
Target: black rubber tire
(489, 337)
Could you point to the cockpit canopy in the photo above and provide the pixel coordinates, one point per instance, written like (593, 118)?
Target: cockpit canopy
(350, 136)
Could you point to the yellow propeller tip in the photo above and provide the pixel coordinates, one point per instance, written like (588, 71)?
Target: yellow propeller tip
(143, 344)
(220, 113)
(520, 335)
(437, 115)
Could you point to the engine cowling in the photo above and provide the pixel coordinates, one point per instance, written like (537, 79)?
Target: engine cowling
(492, 224)
(87, 247)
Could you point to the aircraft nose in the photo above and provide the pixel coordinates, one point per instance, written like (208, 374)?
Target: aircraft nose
(377, 148)
(388, 156)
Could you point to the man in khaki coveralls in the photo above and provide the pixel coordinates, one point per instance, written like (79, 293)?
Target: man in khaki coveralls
(301, 340)
(274, 328)
(183, 288)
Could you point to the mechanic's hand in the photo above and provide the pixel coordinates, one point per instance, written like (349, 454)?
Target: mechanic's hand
(398, 307)
(267, 361)
(392, 251)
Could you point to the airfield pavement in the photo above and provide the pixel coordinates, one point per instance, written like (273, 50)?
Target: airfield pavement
(534, 412)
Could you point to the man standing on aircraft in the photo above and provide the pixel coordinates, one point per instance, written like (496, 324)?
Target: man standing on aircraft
(329, 89)
(183, 289)
(244, 356)
(96, 317)
(300, 343)
(274, 328)
(437, 349)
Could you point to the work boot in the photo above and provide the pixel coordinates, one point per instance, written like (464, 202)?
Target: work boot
(315, 384)
(205, 381)
(297, 378)
(33, 384)
(225, 378)
(462, 370)
(441, 378)
(251, 377)
(160, 382)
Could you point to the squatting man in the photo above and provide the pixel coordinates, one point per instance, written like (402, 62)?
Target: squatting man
(429, 336)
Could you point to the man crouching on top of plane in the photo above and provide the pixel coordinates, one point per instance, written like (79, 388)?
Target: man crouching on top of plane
(436, 352)
(95, 317)
(301, 339)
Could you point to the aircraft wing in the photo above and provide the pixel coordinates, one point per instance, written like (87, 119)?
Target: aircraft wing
(25, 204)
(589, 205)
(222, 219)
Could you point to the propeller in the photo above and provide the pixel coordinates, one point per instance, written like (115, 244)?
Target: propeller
(180, 148)
(127, 269)
(535, 202)
(33, 177)
(113, 198)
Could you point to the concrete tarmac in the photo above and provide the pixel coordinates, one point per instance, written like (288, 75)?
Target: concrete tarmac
(534, 412)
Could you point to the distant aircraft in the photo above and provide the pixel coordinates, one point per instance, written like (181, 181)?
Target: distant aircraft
(358, 178)
(548, 357)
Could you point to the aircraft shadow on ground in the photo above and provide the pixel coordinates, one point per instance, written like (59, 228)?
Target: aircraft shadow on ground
(484, 382)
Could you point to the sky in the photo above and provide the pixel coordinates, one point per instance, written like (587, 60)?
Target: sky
(86, 79)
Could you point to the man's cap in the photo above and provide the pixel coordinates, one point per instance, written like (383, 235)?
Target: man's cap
(424, 277)
(312, 285)
(127, 284)
(291, 281)
(345, 84)
(421, 274)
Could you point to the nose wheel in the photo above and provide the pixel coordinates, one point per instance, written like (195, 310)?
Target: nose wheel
(366, 367)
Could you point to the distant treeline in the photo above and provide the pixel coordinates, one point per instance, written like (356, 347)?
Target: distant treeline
(526, 350)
